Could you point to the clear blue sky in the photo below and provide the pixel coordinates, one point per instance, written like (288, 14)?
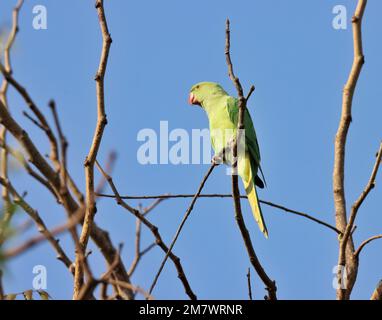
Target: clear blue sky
(299, 65)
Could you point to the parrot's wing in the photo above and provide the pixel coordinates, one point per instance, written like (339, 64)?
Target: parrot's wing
(250, 136)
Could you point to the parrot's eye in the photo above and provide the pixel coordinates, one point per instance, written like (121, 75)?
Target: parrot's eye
(197, 87)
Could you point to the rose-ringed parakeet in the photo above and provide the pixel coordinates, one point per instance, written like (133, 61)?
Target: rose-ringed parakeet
(222, 111)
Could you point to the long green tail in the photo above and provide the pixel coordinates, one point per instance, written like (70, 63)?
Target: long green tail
(250, 189)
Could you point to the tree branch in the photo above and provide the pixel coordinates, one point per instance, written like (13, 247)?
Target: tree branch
(249, 284)
(377, 294)
(24, 163)
(346, 249)
(138, 228)
(2, 296)
(8, 213)
(154, 231)
(92, 155)
(364, 243)
(39, 223)
(218, 195)
(357, 204)
(99, 236)
(185, 217)
(270, 285)
(63, 147)
(75, 219)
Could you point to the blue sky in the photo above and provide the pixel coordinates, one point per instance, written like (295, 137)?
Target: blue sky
(299, 65)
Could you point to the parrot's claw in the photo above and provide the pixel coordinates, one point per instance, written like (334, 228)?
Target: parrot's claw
(216, 160)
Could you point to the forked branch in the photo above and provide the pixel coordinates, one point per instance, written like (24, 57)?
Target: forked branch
(270, 284)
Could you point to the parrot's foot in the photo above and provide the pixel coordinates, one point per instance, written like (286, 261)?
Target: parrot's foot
(216, 160)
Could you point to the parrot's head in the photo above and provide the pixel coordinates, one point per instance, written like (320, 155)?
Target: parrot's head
(202, 91)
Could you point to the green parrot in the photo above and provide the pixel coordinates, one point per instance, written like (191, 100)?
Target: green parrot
(222, 112)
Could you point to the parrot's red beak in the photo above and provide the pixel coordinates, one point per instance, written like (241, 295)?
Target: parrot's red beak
(192, 99)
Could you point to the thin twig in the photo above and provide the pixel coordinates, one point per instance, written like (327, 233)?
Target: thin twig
(138, 229)
(66, 178)
(249, 284)
(251, 90)
(100, 237)
(270, 284)
(61, 165)
(109, 169)
(97, 137)
(357, 204)
(88, 289)
(147, 249)
(63, 147)
(154, 231)
(38, 239)
(364, 243)
(103, 291)
(24, 163)
(218, 195)
(152, 206)
(39, 223)
(353, 214)
(185, 217)
(8, 212)
(135, 289)
(41, 120)
(137, 257)
(23, 227)
(33, 120)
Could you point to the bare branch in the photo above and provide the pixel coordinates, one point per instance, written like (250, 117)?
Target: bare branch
(219, 195)
(129, 286)
(1, 285)
(42, 122)
(8, 213)
(63, 147)
(147, 249)
(108, 168)
(138, 228)
(187, 214)
(92, 155)
(99, 236)
(231, 73)
(87, 290)
(364, 243)
(137, 257)
(24, 163)
(66, 179)
(377, 294)
(154, 231)
(34, 121)
(270, 285)
(354, 211)
(39, 223)
(249, 284)
(152, 206)
(346, 249)
(38, 239)
(357, 204)
(251, 90)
